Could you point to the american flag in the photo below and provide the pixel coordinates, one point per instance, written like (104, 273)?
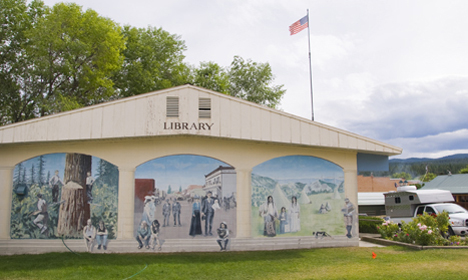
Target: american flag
(299, 25)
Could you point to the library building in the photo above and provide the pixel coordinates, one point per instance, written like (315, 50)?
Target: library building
(183, 169)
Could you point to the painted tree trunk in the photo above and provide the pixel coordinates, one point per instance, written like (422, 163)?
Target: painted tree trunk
(72, 213)
(75, 211)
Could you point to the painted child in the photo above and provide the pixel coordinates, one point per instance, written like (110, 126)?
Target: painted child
(283, 217)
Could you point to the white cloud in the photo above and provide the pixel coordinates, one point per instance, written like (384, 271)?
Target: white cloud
(434, 146)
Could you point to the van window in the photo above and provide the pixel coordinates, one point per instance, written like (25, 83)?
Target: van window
(420, 210)
(397, 200)
(411, 197)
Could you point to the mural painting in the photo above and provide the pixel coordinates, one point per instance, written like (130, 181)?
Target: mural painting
(65, 195)
(184, 196)
(300, 196)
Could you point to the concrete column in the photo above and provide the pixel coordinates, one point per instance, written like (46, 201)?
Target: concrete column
(351, 187)
(244, 209)
(351, 190)
(126, 203)
(6, 190)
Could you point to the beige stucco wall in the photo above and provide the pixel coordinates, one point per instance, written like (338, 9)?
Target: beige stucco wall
(129, 153)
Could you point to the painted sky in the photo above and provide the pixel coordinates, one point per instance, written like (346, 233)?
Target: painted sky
(178, 171)
(297, 168)
(52, 162)
(395, 71)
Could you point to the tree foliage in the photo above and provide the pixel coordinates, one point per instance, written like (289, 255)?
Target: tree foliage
(252, 81)
(59, 58)
(64, 59)
(402, 175)
(244, 79)
(153, 61)
(464, 170)
(16, 18)
(211, 76)
(428, 177)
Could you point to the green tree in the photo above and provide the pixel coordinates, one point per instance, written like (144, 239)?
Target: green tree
(16, 18)
(153, 61)
(67, 57)
(244, 79)
(464, 170)
(211, 76)
(428, 177)
(402, 175)
(252, 81)
(40, 170)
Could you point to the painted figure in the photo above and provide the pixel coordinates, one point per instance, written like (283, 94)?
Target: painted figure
(348, 212)
(143, 235)
(176, 208)
(195, 223)
(166, 212)
(283, 217)
(54, 183)
(89, 234)
(294, 215)
(89, 187)
(223, 236)
(155, 234)
(216, 205)
(101, 235)
(42, 215)
(208, 213)
(327, 207)
(270, 214)
(148, 210)
(323, 209)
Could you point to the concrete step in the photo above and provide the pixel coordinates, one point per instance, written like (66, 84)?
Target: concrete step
(39, 246)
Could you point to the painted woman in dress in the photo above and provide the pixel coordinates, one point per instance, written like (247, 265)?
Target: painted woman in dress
(270, 214)
(148, 211)
(195, 224)
(294, 215)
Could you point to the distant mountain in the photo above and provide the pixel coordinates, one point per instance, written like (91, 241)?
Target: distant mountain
(446, 158)
(439, 166)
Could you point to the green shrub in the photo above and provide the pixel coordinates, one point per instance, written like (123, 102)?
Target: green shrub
(388, 230)
(423, 230)
(369, 224)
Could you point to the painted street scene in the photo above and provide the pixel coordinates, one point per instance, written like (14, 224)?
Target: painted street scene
(184, 196)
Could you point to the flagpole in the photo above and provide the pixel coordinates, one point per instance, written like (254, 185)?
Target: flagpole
(310, 68)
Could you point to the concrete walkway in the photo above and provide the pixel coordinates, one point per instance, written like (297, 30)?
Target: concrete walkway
(368, 244)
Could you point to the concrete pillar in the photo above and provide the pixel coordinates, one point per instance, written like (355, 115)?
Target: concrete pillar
(6, 190)
(244, 209)
(126, 203)
(351, 187)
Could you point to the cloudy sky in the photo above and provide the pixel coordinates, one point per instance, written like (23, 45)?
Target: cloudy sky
(395, 71)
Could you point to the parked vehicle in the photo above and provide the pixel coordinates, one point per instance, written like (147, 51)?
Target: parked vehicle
(408, 202)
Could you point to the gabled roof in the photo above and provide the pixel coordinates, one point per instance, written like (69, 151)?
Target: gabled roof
(145, 116)
(456, 184)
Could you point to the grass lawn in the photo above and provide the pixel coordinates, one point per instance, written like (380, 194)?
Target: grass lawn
(330, 263)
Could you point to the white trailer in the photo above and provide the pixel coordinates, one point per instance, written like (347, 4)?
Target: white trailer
(408, 202)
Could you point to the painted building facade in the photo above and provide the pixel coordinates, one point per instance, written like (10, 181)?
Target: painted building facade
(295, 180)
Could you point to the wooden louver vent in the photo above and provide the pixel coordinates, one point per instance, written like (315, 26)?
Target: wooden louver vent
(172, 106)
(204, 108)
